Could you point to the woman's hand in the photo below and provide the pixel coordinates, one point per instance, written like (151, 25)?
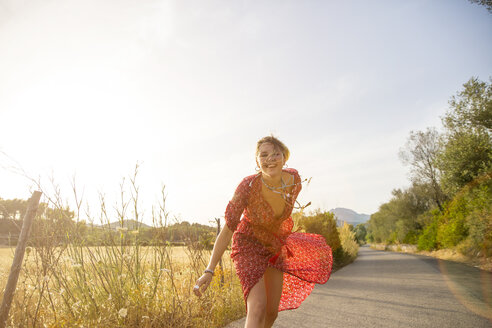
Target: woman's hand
(202, 284)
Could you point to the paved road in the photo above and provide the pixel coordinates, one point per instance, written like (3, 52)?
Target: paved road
(385, 289)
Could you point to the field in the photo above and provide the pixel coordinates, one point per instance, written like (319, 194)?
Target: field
(127, 286)
(6, 256)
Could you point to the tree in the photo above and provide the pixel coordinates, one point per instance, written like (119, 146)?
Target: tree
(471, 108)
(421, 152)
(397, 220)
(467, 145)
(12, 208)
(485, 3)
(360, 233)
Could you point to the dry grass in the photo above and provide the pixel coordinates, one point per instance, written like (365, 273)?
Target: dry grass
(6, 256)
(78, 291)
(484, 263)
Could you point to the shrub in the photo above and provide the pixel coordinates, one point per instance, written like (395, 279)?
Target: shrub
(428, 239)
(347, 239)
(322, 223)
(468, 214)
(411, 237)
(479, 226)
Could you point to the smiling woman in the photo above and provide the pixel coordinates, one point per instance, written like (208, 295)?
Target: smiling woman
(276, 266)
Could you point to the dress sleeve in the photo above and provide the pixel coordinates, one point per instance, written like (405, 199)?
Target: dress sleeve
(237, 204)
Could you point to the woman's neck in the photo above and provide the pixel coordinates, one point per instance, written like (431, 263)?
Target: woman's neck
(273, 181)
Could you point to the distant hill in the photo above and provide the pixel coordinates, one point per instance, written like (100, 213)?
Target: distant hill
(349, 216)
(129, 224)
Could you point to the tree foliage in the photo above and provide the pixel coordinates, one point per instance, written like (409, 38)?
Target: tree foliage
(12, 208)
(467, 145)
(486, 3)
(397, 220)
(360, 231)
(470, 108)
(421, 152)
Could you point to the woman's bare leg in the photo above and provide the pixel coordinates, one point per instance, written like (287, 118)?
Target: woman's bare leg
(257, 304)
(273, 285)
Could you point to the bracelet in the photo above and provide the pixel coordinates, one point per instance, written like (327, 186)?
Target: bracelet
(209, 271)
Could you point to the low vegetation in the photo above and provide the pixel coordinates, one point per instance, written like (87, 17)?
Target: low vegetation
(342, 240)
(86, 275)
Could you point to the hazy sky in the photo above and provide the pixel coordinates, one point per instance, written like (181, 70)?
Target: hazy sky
(186, 88)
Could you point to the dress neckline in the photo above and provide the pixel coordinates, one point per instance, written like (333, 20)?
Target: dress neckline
(258, 178)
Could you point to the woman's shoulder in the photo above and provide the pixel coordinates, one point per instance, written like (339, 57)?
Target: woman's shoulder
(292, 172)
(247, 181)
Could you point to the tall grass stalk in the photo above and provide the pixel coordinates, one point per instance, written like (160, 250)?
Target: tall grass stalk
(67, 282)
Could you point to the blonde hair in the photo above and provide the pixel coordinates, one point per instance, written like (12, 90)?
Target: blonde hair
(276, 143)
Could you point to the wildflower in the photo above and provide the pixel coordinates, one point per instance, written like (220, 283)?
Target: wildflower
(123, 312)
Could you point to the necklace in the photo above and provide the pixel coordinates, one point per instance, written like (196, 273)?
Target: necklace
(286, 195)
(282, 188)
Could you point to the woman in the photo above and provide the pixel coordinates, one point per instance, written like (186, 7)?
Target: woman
(277, 267)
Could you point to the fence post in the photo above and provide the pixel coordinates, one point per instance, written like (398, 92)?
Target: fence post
(220, 261)
(8, 295)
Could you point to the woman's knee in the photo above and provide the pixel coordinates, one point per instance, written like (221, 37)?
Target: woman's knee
(257, 312)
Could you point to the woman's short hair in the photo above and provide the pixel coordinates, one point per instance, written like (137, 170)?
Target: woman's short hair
(276, 143)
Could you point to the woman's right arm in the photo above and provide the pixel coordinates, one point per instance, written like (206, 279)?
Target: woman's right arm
(232, 217)
(220, 246)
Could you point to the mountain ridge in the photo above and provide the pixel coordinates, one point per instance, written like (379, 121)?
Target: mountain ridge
(350, 216)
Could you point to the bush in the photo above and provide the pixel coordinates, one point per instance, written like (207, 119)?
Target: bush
(322, 224)
(411, 237)
(347, 239)
(479, 225)
(428, 239)
(468, 213)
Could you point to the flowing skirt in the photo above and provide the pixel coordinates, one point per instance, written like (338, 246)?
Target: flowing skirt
(305, 260)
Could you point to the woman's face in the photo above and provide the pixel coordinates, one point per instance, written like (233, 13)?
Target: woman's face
(270, 159)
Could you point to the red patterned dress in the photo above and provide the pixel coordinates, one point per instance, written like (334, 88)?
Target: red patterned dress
(261, 241)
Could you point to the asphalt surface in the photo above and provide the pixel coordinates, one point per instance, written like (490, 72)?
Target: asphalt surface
(386, 289)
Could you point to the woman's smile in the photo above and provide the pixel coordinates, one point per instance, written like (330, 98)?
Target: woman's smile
(270, 159)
